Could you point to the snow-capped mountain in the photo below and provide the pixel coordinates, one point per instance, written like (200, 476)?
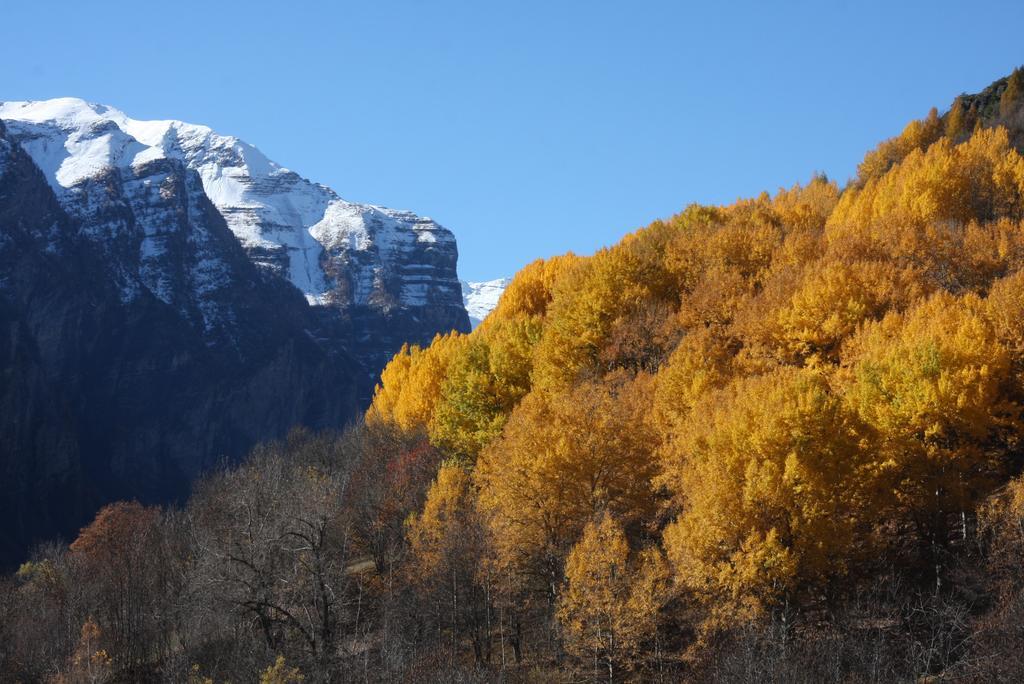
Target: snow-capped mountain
(169, 297)
(332, 250)
(139, 188)
(480, 298)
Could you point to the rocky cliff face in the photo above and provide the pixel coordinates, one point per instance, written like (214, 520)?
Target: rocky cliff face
(377, 277)
(169, 297)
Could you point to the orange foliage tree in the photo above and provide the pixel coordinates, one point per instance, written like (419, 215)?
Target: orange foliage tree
(561, 458)
(773, 476)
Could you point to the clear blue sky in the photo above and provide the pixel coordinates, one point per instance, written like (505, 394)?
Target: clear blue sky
(528, 128)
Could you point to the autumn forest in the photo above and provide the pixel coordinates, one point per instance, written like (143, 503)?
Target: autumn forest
(778, 440)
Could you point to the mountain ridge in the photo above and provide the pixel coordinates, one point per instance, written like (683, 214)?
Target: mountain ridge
(376, 277)
(283, 220)
(142, 341)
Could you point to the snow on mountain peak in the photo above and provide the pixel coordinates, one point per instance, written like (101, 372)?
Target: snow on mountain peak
(480, 298)
(299, 229)
(68, 112)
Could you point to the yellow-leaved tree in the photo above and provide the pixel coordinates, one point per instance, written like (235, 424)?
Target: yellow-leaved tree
(773, 476)
(1004, 308)
(933, 383)
(832, 300)
(280, 673)
(483, 383)
(610, 609)
(532, 288)
(917, 136)
(981, 179)
(449, 560)
(411, 383)
(564, 456)
(599, 303)
(806, 207)
(702, 362)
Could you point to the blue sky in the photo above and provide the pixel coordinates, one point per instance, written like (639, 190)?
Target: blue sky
(528, 128)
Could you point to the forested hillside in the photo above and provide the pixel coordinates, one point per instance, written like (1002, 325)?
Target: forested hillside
(772, 441)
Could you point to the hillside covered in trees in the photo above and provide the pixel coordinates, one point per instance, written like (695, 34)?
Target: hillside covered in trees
(773, 441)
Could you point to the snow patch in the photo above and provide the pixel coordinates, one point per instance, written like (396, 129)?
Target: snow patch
(480, 298)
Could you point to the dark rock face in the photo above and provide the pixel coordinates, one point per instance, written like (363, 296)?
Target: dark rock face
(405, 291)
(376, 277)
(139, 345)
(170, 297)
